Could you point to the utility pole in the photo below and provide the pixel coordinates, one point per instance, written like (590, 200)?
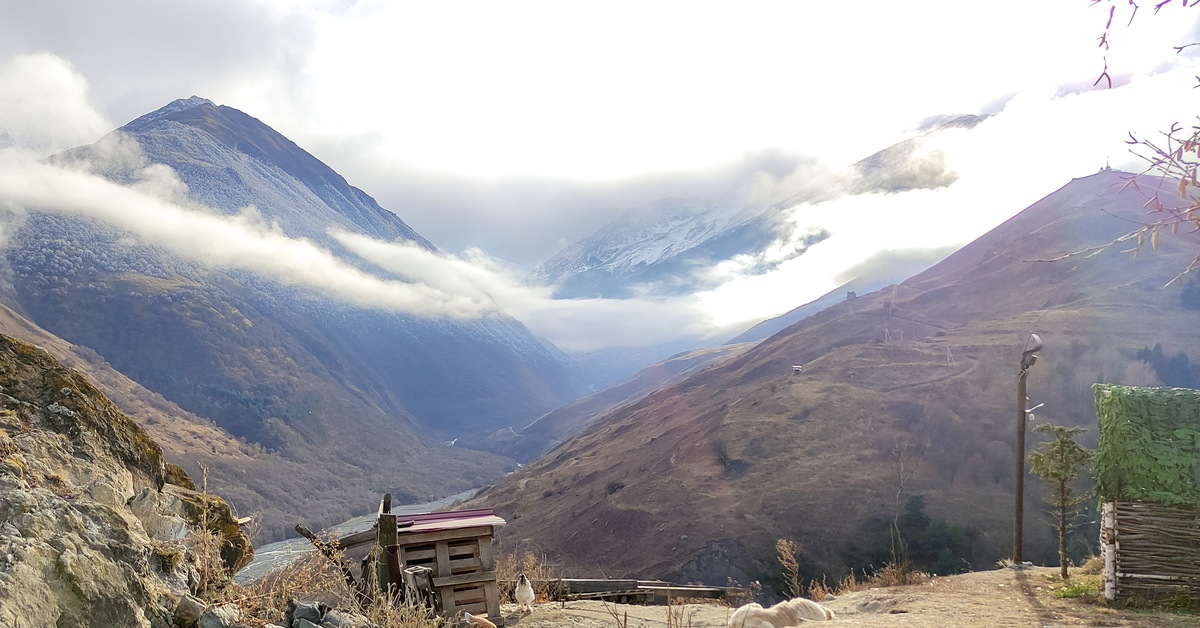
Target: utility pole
(1032, 345)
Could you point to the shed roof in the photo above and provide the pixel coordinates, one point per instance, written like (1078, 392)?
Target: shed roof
(451, 520)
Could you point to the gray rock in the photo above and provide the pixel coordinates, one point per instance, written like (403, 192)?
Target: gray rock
(343, 619)
(223, 616)
(157, 513)
(188, 612)
(74, 553)
(313, 612)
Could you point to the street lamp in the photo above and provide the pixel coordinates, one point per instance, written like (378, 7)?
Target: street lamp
(1028, 357)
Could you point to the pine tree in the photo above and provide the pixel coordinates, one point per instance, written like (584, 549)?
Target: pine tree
(1058, 462)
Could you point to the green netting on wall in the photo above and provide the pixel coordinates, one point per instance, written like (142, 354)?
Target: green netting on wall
(1149, 447)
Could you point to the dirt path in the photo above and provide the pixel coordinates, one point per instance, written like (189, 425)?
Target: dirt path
(940, 378)
(1002, 598)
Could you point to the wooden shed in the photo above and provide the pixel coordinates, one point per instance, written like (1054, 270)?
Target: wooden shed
(449, 552)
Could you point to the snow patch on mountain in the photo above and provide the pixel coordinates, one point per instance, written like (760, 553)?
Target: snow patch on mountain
(643, 238)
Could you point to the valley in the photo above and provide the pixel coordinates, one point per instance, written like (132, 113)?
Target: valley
(298, 406)
(728, 295)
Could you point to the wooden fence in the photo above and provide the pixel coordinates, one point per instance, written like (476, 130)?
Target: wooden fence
(1150, 549)
(628, 591)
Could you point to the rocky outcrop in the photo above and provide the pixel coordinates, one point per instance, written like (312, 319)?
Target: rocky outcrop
(91, 534)
(192, 613)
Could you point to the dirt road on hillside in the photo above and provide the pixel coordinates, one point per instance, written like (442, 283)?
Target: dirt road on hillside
(1002, 598)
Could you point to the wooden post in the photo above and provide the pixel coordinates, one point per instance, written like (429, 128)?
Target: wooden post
(1019, 490)
(1033, 344)
(385, 537)
(1108, 548)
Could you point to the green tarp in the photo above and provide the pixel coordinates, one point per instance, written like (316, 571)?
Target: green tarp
(1149, 448)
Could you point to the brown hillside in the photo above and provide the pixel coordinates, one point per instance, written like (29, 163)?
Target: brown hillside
(555, 426)
(907, 391)
(270, 487)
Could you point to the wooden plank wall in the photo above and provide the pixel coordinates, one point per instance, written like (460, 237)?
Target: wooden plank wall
(464, 568)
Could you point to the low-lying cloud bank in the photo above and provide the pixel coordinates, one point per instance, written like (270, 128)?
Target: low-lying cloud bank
(433, 284)
(572, 324)
(242, 242)
(968, 181)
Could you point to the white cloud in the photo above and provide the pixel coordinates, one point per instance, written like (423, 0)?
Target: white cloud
(44, 106)
(514, 128)
(155, 207)
(240, 242)
(572, 324)
(1036, 144)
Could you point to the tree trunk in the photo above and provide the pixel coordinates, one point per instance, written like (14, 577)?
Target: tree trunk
(1062, 529)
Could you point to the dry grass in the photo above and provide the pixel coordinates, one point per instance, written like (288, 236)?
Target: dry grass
(890, 575)
(392, 614)
(312, 577)
(540, 573)
(316, 577)
(205, 547)
(897, 575)
(204, 551)
(1092, 566)
(789, 558)
(679, 615)
(893, 574)
(7, 446)
(622, 619)
(820, 590)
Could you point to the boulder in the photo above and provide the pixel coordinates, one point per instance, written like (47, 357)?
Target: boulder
(222, 616)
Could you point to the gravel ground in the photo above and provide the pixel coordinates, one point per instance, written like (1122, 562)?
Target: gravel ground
(1002, 598)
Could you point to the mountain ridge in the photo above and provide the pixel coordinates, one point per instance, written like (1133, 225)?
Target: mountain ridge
(283, 368)
(903, 406)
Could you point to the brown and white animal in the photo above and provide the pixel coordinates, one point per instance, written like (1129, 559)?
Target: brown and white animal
(524, 593)
(475, 621)
(782, 615)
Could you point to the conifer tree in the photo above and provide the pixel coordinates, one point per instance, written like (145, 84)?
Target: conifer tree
(1058, 462)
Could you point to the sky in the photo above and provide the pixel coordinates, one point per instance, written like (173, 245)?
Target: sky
(504, 131)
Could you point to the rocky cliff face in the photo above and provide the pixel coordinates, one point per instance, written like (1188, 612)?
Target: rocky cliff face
(93, 533)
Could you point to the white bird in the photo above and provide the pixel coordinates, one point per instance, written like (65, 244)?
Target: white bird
(524, 593)
(477, 622)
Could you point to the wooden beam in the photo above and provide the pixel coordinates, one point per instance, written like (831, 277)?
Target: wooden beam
(419, 538)
(466, 578)
(355, 540)
(686, 591)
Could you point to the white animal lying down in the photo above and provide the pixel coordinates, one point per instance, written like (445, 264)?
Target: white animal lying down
(782, 615)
